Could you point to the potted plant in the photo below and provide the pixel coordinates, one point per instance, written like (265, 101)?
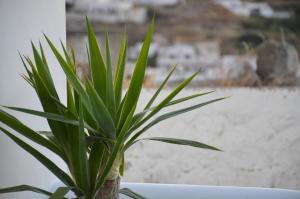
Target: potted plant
(98, 123)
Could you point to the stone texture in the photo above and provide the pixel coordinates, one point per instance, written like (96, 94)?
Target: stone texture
(247, 76)
(239, 70)
(258, 129)
(277, 63)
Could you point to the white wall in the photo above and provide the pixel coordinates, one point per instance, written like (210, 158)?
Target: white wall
(22, 21)
(258, 130)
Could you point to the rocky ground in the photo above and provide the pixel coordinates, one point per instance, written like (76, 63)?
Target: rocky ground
(258, 129)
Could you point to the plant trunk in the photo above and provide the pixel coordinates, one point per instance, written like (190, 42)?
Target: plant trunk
(109, 189)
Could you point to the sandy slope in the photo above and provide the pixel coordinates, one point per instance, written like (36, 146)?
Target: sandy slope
(259, 130)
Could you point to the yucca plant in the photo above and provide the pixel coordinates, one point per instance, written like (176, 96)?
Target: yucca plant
(98, 123)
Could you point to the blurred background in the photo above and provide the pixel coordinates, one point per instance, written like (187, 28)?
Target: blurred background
(235, 44)
(232, 42)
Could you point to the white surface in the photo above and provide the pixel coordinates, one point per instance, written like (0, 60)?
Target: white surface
(180, 191)
(171, 191)
(22, 21)
(258, 129)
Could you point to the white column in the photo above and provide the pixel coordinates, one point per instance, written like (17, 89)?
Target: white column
(21, 22)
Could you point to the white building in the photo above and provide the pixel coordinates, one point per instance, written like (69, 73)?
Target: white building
(208, 53)
(186, 56)
(247, 8)
(134, 51)
(111, 11)
(182, 55)
(189, 57)
(154, 2)
(259, 9)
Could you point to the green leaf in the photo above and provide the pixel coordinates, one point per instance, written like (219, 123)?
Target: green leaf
(29, 73)
(51, 116)
(110, 93)
(60, 193)
(159, 89)
(137, 117)
(28, 80)
(73, 56)
(122, 165)
(60, 174)
(130, 193)
(97, 160)
(88, 54)
(98, 69)
(67, 57)
(20, 188)
(18, 126)
(120, 108)
(98, 138)
(118, 84)
(79, 153)
(137, 79)
(43, 56)
(165, 101)
(182, 142)
(147, 108)
(70, 100)
(101, 114)
(167, 116)
(60, 105)
(71, 76)
(49, 105)
(44, 72)
(90, 120)
(183, 99)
